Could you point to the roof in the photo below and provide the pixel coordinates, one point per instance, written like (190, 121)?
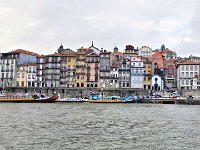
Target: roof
(28, 64)
(188, 62)
(25, 52)
(157, 58)
(117, 53)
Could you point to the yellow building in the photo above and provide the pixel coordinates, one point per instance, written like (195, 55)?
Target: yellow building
(147, 74)
(68, 70)
(22, 75)
(81, 68)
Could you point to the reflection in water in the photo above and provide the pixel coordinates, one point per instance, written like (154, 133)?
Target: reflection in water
(99, 126)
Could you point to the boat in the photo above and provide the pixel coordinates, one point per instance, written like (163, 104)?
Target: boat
(69, 99)
(99, 99)
(132, 99)
(27, 98)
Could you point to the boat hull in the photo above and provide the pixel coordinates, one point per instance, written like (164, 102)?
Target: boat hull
(29, 100)
(104, 101)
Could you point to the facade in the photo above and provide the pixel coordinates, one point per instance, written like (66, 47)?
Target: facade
(137, 72)
(130, 50)
(81, 67)
(147, 73)
(106, 60)
(52, 70)
(170, 73)
(31, 75)
(186, 72)
(124, 73)
(68, 67)
(93, 65)
(145, 52)
(114, 74)
(157, 83)
(9, 65)
(40, 71)
(22, 76)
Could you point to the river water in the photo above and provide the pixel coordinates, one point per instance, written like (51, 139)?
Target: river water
(63, 126)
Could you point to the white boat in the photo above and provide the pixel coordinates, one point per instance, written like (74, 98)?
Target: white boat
(70, 99)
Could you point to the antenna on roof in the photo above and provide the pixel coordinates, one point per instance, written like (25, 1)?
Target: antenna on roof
(92, 43)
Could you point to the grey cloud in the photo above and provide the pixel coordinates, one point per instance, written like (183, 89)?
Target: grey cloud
(42, 25)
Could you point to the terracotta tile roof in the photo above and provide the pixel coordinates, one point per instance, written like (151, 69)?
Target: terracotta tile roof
(25, 52)
(117, 53)
(157, 58)
(188, 62)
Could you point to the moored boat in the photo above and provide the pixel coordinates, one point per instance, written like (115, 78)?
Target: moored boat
(68, 99)
(27, 98)
(132, 99)
(99, 99)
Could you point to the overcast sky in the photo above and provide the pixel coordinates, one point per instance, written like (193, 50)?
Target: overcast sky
(42, 25)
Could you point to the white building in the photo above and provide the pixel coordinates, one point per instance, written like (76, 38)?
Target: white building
(145, 51)
(137, 72)
(186, 72)
(157, 83)
(114, 75)
(31, 75)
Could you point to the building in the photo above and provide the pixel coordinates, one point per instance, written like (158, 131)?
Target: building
(137, 72)
(157, 83)
(106, 60)
(145, 52)
(31, 75)
(92, 65)
(114, 74)
(40, 71)
(81, 67)
(52, 70)
(22, 75)
(147, 73)
(186, 72)
(124, 73)
(170, 73)
(9, 64)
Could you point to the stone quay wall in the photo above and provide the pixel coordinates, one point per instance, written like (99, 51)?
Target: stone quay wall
(193, 92)
(79, 92)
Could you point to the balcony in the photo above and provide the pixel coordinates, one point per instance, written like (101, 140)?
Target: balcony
(81, 59)
(80, 66)
(124, 69)
(104, 70)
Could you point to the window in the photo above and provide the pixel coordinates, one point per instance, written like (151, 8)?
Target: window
(187, 68)
(17, 84)
(182, 82)
(191, 68)
(182, 68)
(82, 85)
(187, 82)
(195, 67)
(22, 83)
(18, 75)
(22, 75)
